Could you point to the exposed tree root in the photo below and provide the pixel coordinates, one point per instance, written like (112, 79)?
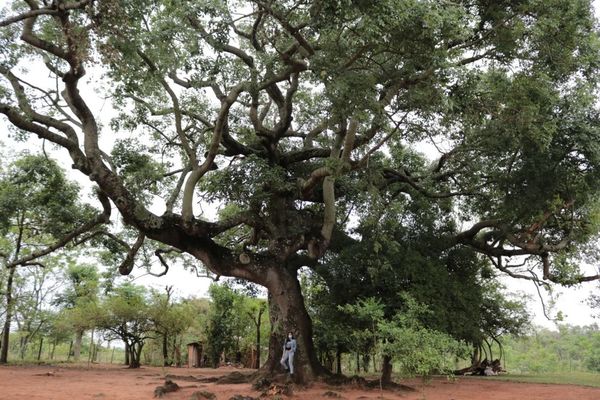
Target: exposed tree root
(191, 378)
(168, 387)
(360, 382)
(203, 395)
(271, 384)
(235, 378)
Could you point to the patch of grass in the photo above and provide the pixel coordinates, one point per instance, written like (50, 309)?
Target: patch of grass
(559, 378)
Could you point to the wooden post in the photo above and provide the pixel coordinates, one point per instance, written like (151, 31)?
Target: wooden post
(112, 356)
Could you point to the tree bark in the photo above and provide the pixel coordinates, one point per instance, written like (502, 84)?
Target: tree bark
(127, 353)
(39, 356)
(165, 350)
(77, 345)
(258, 326)
(338, 360)
(8, 317)
(23, 343)
(177, 351)
(70, 350)
(287, 313)
(53, 348)
(136, 354)
(91, 350)
(386, 370)
(137, 359)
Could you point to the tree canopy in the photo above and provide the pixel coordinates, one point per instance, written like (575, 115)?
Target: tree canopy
(292, 115)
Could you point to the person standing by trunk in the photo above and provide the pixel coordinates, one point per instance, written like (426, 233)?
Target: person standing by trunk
(289, 348)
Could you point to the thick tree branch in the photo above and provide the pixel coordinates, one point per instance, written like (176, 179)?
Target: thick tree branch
(34, 116)
(53, 9)
(198, 172)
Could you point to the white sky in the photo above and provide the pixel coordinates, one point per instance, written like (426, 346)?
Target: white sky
(571, 301)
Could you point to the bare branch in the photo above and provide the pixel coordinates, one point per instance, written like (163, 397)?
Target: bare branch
(127, 265)
(158, 253)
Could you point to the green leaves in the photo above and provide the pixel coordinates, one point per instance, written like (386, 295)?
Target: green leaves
(247, 181)
(228, 321)
(36, 189)
(138, 168)
(419, 350)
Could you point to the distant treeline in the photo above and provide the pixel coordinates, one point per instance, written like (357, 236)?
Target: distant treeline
(571, 348)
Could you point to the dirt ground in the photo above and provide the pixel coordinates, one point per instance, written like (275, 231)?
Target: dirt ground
(113, 382)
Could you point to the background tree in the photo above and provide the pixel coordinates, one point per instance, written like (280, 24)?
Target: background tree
(33, 295)
(256, 310)
(222, 321)
(285, 110)
(124, 314)
(543, 351)
(39, 208)
(169, 319)
(418, 350)
(499, 317)
(79, 300)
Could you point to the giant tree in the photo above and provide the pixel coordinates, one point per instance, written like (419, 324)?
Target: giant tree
(292, 111)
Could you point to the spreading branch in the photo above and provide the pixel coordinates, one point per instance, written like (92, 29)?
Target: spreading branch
(101, 218)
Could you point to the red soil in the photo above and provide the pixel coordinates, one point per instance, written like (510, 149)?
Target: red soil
(112, 382)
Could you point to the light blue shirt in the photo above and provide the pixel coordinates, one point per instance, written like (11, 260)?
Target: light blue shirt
(292, 343)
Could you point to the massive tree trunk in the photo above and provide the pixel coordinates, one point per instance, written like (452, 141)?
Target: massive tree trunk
(287, 313)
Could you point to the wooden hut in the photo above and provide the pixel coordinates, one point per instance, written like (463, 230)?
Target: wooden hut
(194, 355)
